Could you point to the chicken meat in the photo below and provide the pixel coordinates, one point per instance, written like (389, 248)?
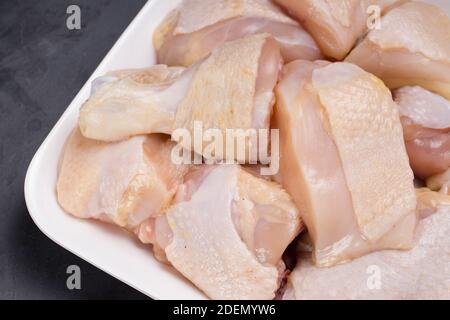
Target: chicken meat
(229, 230)
(343, 160)
(421, 273)
(425, 118)
(125, 103)
(411, 47)
(426, 125)
(259, 171)
(192, 31)
(336, 25)
(231, 89)
(124, 183)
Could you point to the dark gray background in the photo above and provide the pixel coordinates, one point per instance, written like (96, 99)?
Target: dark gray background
(42, 67)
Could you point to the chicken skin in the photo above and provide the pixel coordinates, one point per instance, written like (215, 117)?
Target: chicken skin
(123, 183)
(411, 48)
(231, 89)
(193, 30)
(425, 118)
(421, 273)
(336, 25)
(229, 231)
(426, 126)
(340, 136)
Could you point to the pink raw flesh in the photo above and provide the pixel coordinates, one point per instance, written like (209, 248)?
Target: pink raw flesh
(428, 149)
(185, 49)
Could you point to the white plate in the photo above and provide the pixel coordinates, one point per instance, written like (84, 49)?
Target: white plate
(107, 247)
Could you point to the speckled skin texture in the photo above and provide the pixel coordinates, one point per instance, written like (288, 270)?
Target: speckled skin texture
(42, 67)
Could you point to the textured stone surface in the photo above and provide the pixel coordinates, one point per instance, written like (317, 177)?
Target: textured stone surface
(42, 67)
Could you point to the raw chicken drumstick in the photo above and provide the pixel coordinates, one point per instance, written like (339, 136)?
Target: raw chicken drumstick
(191, 32)
(231, 89)
(228, 231)
(336, 25)
(343, 160)
(412, 47)
(125, 103)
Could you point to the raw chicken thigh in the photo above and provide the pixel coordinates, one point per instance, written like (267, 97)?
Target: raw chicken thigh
(343, 160)
(229, 231)
(192, 31)
(123, 183)
(426, 125)
(412, 47)
(421, 273)
(336, 24)
(232, 88)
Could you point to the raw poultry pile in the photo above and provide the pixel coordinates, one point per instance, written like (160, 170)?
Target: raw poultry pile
(364, 149)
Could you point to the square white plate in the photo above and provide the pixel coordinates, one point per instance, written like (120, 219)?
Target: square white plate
(107, 247)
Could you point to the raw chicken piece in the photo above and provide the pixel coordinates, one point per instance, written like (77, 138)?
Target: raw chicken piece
(156, 231)
(426, 125)
(229, 231)
(425, 118)
(421, 273)
(423, 107)
(157, 74)
(131, 102)
(412, 47)
(429, 202)
(123, 183)
(343, 160)
(191, 32)
(335, 24)
(233, 88)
